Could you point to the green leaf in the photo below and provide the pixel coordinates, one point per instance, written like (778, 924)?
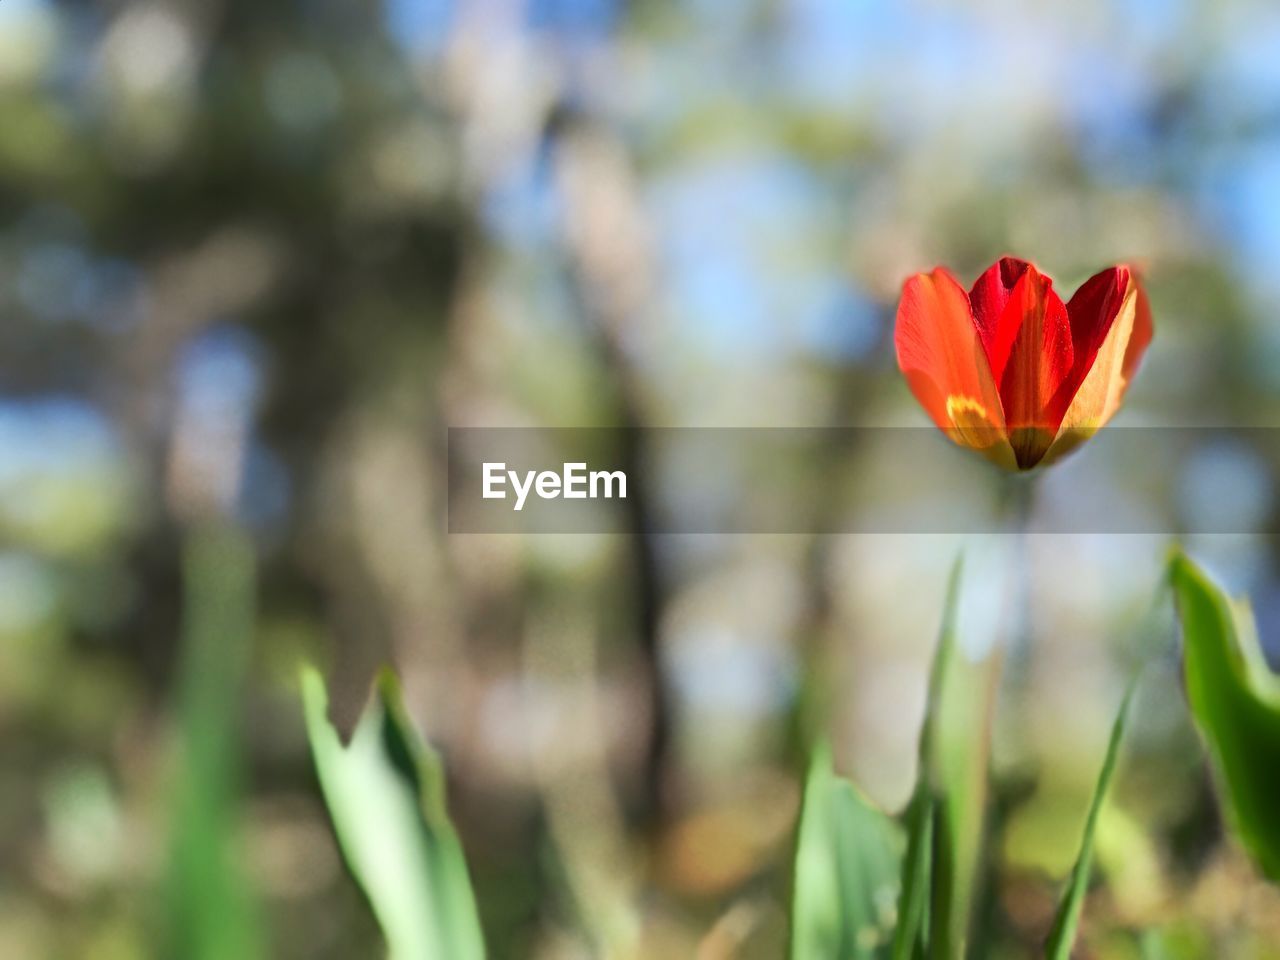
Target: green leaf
(910, 936)
(846, 870)
(1063, 935)
(386, 795)
(212, 910)
(962, 720)
(1235, 700)
(945, 816)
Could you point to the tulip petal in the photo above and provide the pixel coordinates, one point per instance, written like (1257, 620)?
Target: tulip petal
(1143, 330)
(1039, 361)
(942, 357)
(1110, 366)
(988, 299)
(1092, 310)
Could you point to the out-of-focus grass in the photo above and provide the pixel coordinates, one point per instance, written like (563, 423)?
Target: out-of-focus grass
(1062, 938)
(849, 856)
(937, 884)
(213, 915)
(848, 853)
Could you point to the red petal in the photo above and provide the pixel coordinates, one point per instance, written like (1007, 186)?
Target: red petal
(942, 357)
(1125, 334)
(988, 298)
(1039, 361)
(1092, 310)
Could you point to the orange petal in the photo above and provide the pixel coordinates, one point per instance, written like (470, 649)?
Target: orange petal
(1039, 363)
(1113, 366)
(943, 360)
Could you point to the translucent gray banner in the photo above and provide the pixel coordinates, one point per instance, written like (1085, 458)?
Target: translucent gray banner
(1151, 480)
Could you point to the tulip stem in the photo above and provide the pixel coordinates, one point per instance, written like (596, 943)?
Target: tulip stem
(1019, 503)
(1009, 770)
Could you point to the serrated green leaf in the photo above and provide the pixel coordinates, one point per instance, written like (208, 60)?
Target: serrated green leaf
(386, 795)
(848, 856)
(1063, 935)
(1235, 700)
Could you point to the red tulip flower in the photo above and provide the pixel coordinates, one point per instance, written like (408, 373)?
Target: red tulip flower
(1008, 369)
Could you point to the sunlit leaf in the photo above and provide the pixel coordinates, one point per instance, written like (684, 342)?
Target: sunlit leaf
(1235, 700)
(386, 795)
(1063, 935)
(847, 862)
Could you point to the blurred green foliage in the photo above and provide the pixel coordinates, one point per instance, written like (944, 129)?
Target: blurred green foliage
(849, 859)
(213, 911)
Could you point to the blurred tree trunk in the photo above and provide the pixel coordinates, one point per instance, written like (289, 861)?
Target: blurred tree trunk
(607, 261)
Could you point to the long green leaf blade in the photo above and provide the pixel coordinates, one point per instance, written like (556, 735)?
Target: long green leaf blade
(1235, 700)
(937, 871)
(214, 913)
(385, 793)
(847, 861)
(962, 722)
(1063, 935)
(913, 902)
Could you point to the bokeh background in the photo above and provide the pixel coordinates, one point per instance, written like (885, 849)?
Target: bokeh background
(255, 257)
